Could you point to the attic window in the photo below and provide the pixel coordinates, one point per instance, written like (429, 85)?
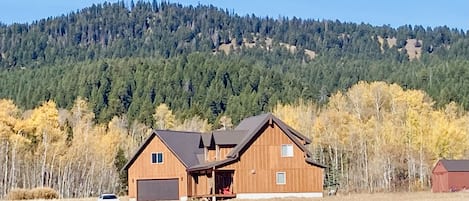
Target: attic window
(287, 150)
(157, 158)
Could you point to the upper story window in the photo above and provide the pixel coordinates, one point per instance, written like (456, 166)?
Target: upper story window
(157, 158)
(287, 150)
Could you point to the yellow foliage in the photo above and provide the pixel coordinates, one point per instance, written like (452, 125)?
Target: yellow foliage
(299, 116)
(383, 128)
(8, 112)
(195, 124)
(164, 117)
(81, 111)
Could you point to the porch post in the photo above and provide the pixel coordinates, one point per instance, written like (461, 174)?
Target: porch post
(214, 197)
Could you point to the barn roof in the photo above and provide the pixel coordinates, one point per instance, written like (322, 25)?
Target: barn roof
(456, 165)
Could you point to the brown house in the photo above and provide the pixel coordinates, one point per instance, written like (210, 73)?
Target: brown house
(261, 158)
(450, 176)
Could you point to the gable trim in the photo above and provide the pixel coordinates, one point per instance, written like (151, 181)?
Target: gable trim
(144, 145)
(139, 151)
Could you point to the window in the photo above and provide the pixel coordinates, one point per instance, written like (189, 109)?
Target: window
(287, 150)
(157, 158)
(281, 178)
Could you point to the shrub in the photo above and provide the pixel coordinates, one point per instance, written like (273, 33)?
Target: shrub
(35, 193)
(17, 194)
(44, 193)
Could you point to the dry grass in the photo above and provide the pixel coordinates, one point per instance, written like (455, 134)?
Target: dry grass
(415, 196)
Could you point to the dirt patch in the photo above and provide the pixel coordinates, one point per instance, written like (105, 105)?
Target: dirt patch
(290, 48)
(413, 48)
(310, 53)
(226, 48)
(391, 42)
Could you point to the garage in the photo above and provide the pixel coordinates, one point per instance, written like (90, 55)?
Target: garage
(157, 189)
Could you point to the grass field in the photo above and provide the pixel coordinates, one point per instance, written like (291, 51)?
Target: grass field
(414, 196)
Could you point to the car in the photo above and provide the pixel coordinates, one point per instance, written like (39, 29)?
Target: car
(108, 197)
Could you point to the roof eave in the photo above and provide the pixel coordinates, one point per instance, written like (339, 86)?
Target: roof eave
(210, 166)
(139, 151)
(312, 162)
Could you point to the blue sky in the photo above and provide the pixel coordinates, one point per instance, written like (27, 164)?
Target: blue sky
(454, 13)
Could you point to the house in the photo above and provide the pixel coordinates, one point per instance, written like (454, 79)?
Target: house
(450, 176)
(261, 158)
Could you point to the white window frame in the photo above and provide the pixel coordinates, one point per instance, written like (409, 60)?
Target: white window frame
(277, 176)
(157, 154)
(288, 152)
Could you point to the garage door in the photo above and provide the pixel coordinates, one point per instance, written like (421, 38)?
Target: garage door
(157, 189)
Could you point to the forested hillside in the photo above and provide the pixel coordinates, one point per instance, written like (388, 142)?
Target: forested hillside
(119, 62)
(126, 60)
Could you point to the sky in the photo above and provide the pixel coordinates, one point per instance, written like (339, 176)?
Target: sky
(428, 13)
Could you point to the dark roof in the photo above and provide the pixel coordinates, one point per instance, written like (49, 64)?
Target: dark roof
(229, 137)
(253, 125)
(207, 139)
(188, 154)
(298, 134)
(312, 162)
(185, 145)
(261, 121)
(188, 146)
(456, 165)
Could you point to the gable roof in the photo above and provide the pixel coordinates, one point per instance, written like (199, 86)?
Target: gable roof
(252, 126)
(184, 145)
(252, 123)
(255, 124)
(188, 147)
(456, 165)
(188, 154)
(229, 137)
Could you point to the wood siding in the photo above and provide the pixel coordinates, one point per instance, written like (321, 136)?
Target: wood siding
(439, 167)
(458, 180)
(224, 151)
(202, 185)
(142, 168)
(256, 170)
(440, 178)
(211, 155)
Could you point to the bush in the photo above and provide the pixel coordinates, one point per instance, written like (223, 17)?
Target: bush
(35, 193)
(17, 194)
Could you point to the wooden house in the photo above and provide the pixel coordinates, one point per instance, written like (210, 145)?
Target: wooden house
(261, 158)
(450, 176)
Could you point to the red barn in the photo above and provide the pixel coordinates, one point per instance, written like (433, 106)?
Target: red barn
(450, 175)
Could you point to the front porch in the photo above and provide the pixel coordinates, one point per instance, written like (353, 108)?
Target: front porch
(212, 184)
